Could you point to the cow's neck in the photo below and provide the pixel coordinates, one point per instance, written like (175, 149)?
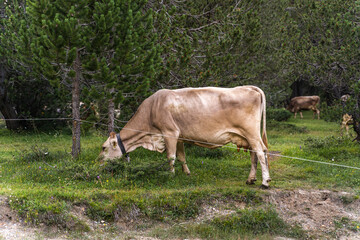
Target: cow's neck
(134, 136)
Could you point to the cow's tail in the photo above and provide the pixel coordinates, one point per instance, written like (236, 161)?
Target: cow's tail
(264, 135)
(263, 113)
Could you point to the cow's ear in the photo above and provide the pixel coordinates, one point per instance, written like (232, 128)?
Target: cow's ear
(112, 135)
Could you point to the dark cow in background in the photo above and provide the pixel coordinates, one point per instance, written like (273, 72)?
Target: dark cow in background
(304, 103)
(208, 117)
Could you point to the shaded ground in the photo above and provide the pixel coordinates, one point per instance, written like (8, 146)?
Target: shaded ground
(323, 214)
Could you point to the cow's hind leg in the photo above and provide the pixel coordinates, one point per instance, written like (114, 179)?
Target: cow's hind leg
(252, 175)
(180, 153)
(260, 151)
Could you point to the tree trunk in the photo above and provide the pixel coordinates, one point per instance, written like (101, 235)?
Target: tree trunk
(76, 130)
(8, 111)
(6, 108)
(111, 110)
(356, 118)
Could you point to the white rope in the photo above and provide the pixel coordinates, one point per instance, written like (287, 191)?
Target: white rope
(220, 145)
(191, 140)
(314, 161)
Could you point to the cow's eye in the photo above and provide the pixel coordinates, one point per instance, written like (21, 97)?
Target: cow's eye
(103, 148)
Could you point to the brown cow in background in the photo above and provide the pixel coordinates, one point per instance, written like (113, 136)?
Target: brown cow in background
(304, 103)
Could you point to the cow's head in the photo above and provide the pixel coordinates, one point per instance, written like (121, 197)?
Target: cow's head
(110, 148)
(290, 107)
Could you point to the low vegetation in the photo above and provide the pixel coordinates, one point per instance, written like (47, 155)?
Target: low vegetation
(46, 186)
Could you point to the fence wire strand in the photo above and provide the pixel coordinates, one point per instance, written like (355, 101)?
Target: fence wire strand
(187, 140)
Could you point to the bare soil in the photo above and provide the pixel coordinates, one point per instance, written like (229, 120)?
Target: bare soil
(323, 214)
(11, 227)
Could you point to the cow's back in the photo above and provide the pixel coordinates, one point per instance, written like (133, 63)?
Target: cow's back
(207, 113)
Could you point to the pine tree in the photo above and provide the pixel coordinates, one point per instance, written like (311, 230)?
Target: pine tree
(107, 47)
(324, 43)
(208, 42)
(6, 106)
(16, 67)
(122, 52)
(59, 28)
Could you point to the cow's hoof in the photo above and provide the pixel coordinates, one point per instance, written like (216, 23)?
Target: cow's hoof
(251, 182)
(264, 186)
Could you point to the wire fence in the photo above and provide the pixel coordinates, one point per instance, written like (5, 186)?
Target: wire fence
(188, 140)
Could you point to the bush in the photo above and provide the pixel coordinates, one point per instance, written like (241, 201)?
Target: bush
(313, 143)
(280, 115)
(40, 153)
(286, 127)
(335, 148)
(335, 112)
(331, 113)
(140, 171)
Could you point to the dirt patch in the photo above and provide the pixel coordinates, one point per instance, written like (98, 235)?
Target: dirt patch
(218, 208)
(11, 226)
(320, 212)
(323, 214)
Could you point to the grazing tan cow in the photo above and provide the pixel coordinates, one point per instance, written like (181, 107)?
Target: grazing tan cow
(208, 117)
(347, 120)
(304, 103)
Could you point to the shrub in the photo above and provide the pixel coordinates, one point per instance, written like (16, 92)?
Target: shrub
(335, 112)
(286, 127)
(39, 153)
(280, 115)
(331, 147)
(331, 113)
(140, 171)
(313, 143)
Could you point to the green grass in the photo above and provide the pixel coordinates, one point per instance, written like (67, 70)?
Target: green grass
(243, 224)
(45, 183)
(321, 143)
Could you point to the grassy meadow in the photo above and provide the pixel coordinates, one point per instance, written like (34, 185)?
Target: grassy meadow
(45, 186)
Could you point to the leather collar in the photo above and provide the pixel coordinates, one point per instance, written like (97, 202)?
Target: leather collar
(122, 148)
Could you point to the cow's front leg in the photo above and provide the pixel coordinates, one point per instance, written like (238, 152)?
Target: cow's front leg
(170, 144)
(301, 115)
(295, 114)
(180, 152)
(252, 176)
(171, 163)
